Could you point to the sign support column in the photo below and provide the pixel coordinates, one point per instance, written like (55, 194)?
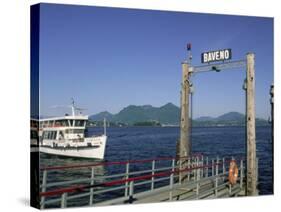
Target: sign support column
(185, 145)
(251, 189)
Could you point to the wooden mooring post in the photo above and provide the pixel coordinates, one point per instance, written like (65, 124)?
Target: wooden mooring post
(251, 188)
(184, 143)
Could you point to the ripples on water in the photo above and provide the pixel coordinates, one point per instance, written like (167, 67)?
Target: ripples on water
(152, 142)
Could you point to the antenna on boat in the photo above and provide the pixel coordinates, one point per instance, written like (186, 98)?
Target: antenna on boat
(72, 107)
(104, 126)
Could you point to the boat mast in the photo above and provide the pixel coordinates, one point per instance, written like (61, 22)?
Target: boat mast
(72, 107)
(104, 126)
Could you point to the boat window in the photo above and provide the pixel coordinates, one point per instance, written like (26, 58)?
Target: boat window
(44, 135)
(51, 123)
(79, 123)
(61, 135)
(61, 123)
(34, 134)
(53, 135)
(74, 131)
(70, 123)
(64, 123)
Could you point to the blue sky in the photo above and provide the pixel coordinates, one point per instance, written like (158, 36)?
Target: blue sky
(109, 58)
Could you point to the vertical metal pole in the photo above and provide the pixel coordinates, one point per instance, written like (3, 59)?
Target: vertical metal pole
(213, 167)
(44, 184)
(198, 169)
(251, 127)
(195, 168)
(152, 173)
(207, 168)
(241, 174)
(223, 165)
(202, 165)
(126, 177)
(223, 169)
(257, 170)
(217, 166)
(171, 187)
(180, 168)
(188, 166)
(197, 190)
(92, 183)
(64, 200)
(131, 192)
(185, 145)
(216, 179)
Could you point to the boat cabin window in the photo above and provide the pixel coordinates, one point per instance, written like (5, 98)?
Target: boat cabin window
(70, 122)
(49, 135)
(74, 131)
(79, 123)
(61, 123)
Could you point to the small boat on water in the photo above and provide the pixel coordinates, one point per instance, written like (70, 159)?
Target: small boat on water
(66, 136)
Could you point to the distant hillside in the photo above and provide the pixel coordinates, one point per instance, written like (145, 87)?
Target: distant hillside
(100, 116)
(168, 114)
(227, 119)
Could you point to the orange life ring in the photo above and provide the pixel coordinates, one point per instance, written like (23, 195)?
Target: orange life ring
(233, 172)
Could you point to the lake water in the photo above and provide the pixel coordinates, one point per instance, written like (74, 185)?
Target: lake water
(152, 142)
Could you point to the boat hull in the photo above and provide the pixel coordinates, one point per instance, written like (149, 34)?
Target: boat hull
(95, 151)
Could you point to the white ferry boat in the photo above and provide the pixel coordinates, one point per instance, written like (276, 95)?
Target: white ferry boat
(34, 126)
(65, 136)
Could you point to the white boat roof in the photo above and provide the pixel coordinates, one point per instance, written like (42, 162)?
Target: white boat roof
(76, 117)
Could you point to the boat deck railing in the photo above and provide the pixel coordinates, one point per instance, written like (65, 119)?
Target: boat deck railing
(163, 177)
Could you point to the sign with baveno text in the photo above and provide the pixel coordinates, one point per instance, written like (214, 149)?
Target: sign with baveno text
(214, 56)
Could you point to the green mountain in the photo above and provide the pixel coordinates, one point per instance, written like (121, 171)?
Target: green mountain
(100, 116)
(168, 114)
(132, 114)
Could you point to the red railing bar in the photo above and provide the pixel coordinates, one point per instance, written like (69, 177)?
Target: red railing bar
(115, 163)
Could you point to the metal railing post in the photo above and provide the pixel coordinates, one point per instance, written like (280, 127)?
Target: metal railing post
(213, 167)
(194, 168)
(180, 168)
(131, 192)
(171, 187)
(64, 200)
(197, 190)
(216, 179)
(126, 177)
(241, 174)
(172, 180)
(223, 168)
(92, 189)
(44, 185)
(188, 167)
(202, 165)
(152, 173)
(257, 170)
(198, 169)
(207, 168)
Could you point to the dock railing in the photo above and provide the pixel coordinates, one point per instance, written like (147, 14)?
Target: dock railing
(132, 185)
